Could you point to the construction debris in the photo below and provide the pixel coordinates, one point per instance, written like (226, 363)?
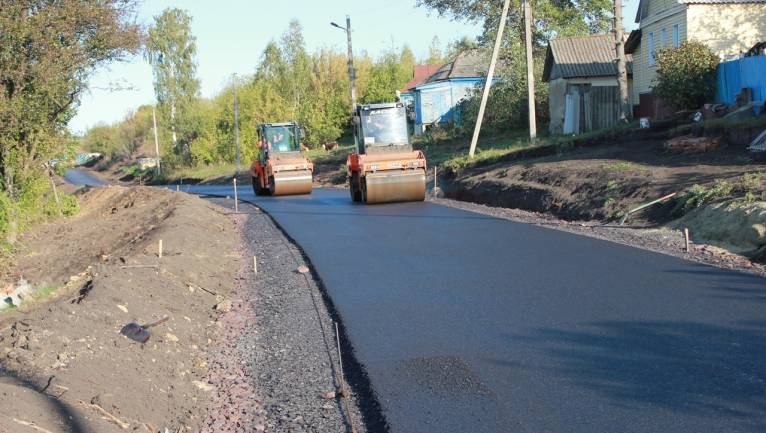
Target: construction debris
(758, 147)
(13, 295)
(688, 143)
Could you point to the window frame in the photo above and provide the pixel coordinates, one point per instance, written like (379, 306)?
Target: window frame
(650, 49)
(676, 34)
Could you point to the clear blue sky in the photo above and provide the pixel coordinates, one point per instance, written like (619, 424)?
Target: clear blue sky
(232, 33)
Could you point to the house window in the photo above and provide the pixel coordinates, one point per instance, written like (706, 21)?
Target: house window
(650, 49)
(676, 37)
(663, 38)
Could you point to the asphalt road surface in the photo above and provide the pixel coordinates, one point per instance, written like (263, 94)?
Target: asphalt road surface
(467, 323)
(82, 177)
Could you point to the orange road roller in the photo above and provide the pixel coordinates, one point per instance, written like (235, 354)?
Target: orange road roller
(281, 168)
(384, 167)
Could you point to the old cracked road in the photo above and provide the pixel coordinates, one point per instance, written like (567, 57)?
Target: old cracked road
(467, 323)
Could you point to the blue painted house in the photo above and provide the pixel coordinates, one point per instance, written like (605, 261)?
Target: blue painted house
(437, 97)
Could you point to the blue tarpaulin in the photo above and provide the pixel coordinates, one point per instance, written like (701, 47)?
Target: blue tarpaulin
(737, 74)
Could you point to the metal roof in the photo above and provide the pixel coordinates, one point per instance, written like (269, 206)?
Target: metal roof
(420, 74)
(468, 64)
(583, 56)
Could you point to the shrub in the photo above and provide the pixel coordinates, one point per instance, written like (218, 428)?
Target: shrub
(685, 75)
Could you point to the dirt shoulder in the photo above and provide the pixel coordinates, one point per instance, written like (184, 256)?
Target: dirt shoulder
(599, 183)
(65, 366)
(240, 352)
(723, 187)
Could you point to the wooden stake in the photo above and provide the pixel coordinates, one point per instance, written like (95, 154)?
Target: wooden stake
(686, 238)
(55, 192)
(31, 425)
(236, 207)
(160, 249)
(434, 179)
(255, 265)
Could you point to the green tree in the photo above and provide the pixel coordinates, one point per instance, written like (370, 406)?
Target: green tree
(435, 56)
(386, 77)
(459, 45)
(686, 75)
(48, 50)
(171, 49)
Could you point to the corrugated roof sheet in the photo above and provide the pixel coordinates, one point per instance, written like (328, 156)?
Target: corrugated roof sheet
(468, 64)
(583, 56)
(420, 74)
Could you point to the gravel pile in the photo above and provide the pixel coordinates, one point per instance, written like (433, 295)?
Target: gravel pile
(663, 240)
(289, 350)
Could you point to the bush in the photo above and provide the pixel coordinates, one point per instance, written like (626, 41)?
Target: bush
(685, 75)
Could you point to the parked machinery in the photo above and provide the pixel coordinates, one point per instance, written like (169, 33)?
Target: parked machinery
(281, 168)
(384, 167)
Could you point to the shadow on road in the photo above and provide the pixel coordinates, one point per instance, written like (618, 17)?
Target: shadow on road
(685, 367)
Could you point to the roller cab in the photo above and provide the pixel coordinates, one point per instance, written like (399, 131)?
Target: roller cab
(384, 167)
(281, 168)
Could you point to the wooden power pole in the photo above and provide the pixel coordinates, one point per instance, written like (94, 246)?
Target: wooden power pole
(530, 70)
(490, 76)
(622, 71)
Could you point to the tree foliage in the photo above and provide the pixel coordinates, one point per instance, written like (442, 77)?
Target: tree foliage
(686, 75)
(48, 49)
(289, 83)
(435, 56)
(171, 49)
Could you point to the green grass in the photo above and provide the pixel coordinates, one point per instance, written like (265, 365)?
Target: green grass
(748, 188)
(320, 155)
(452, 152)
(43, 291)
(620, 166)
(202, 172)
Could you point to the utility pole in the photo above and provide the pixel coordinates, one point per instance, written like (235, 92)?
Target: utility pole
(351, 71)
(622, 72)
(490, 76)
(236, 123)
(156, 141)
(530, 70)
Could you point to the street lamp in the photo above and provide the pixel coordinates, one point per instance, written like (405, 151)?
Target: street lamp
(351, 72)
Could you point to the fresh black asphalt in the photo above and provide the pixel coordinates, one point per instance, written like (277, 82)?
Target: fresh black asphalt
(82, 177)
(468, 323)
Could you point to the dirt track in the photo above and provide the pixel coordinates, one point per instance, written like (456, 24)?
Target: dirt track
(64, 367)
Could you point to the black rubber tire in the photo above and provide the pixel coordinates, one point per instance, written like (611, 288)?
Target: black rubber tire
(356, 194)
(257, 187)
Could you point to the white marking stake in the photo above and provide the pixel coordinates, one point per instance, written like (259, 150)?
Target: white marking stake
(236, 207)
(160, 249)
